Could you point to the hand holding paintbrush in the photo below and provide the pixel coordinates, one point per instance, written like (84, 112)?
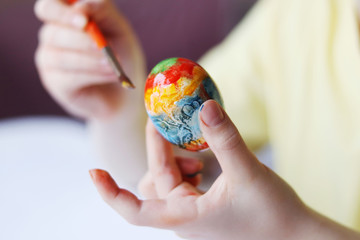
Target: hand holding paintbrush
(102, 44)
(79, 76)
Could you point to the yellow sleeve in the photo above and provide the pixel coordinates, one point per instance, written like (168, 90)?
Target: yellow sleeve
(236, 66)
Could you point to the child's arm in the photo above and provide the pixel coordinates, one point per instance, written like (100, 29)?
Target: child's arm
(78, 76)
(247, 201)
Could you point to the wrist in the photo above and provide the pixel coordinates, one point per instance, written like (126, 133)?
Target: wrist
(315, 226)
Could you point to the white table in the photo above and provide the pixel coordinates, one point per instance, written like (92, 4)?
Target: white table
(45, 190)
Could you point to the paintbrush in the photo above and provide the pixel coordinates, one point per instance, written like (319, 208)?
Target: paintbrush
(93, 30)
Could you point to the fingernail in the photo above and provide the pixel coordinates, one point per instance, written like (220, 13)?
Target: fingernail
(92, 175)
(201, 164)
(79, 21)
(193, 175)
(211, 113)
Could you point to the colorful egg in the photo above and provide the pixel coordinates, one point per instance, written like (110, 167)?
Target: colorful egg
(174, 91)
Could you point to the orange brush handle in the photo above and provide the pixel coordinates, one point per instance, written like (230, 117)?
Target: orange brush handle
(94, 31)
(96, 34)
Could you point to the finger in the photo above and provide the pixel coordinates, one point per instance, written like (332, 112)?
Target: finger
(161, 160)
(59, 36)
(93, 101)
(56, 79)
(194, 180)
(73, 61)
(190, 169)
(235, 159)
(123, 201)
(69, 82)
(147, 187)
(153, 213)
(57, 11)
(189, 166)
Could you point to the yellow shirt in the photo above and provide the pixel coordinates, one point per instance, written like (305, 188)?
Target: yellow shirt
(290, 74)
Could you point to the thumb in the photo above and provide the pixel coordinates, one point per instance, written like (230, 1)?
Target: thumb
(235, 159)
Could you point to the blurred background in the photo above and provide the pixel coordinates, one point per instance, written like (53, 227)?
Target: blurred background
(46, 192)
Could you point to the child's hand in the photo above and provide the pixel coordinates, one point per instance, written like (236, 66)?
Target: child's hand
(73, 69)
(247, 201)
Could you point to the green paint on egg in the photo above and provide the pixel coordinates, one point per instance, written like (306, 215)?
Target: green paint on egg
(164, 65)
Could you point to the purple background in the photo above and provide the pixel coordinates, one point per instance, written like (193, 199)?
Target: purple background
(166, 28)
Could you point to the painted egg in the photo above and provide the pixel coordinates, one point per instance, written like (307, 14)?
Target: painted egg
(174, 91)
